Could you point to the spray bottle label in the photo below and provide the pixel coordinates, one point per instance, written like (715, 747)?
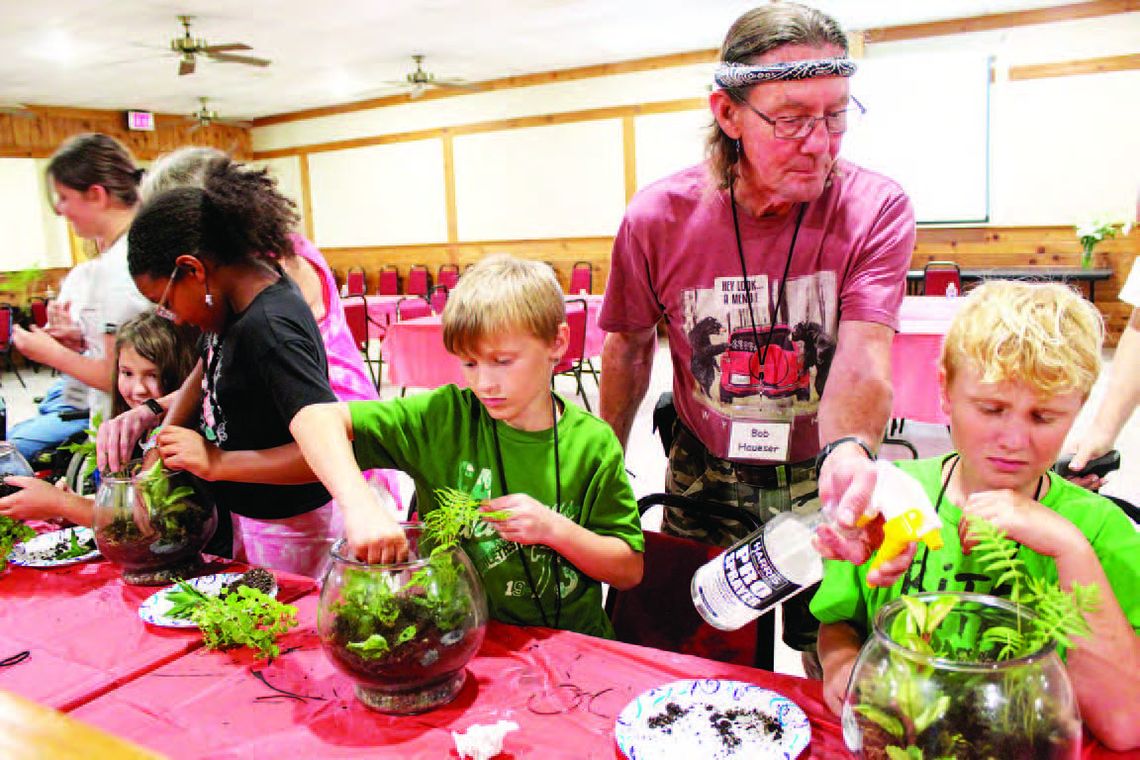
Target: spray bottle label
(753, 577)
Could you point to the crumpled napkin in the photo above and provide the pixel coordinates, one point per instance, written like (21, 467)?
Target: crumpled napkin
(483, 741)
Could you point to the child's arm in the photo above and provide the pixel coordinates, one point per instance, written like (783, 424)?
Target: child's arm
(604, 558)
(185, 449)
(38, 500)
(1094, 663)
(323, 431)
(839, 645)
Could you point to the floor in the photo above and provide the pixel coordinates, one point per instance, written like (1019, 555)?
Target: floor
(645, 459)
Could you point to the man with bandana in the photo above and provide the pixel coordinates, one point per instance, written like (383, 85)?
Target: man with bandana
(779, 269)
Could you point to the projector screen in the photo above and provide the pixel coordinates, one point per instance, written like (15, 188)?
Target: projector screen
(927, 127)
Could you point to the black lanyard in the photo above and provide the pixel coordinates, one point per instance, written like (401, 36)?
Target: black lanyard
(938, 506)
(554, 558)
(772, 314)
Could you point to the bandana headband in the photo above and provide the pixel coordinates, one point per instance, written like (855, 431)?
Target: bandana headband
(730, 76)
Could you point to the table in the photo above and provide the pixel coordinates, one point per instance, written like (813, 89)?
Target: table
(914, 277)
(381, 312)
(413, 348)
(51, 613)
(923, 322)
(563, 689)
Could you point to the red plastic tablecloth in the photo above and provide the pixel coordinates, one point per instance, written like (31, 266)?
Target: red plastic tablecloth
(81, 628)
(923, 322)
(210, 704)
(416, 358)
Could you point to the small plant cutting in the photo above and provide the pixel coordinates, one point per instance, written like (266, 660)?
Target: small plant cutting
(12, 532)
(86, 447)
(243, 613)
(975, 677)
(406, 631)
(1092, 232)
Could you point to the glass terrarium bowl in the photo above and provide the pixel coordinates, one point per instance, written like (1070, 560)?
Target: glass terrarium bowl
(155, 533)
(1017, 709)
(12, 462)
(404, 632)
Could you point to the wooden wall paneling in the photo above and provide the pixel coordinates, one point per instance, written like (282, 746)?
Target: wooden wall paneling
(629, 152)
(452, 209)
(306, 195)
(1070, 12)
(1074, 68)
(48, 127)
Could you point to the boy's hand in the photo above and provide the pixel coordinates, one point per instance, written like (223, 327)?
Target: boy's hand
(1022, 519)
(184, 449)
(36, 499)
(372, 535)
(528, 522)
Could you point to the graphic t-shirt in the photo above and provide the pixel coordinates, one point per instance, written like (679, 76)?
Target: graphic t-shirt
(844, 596)
(266, 366)
(675, 256)
(444, 439)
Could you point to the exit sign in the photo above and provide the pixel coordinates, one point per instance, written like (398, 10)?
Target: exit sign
(140, 120)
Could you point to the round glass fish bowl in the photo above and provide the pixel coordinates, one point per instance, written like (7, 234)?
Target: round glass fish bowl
(403, 632)
(12, 462)
(153, 524)
(961, 699)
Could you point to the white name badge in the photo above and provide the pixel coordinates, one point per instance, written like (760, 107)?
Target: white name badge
(759, 440)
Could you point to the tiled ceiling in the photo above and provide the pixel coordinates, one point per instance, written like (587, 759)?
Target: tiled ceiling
(115, 54)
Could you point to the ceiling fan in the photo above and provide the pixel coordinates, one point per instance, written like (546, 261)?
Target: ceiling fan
(421, 80)
(205, 116)
(188, 48)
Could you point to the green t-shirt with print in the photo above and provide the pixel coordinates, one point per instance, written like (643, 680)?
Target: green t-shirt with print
(445, 438)
(844, 595)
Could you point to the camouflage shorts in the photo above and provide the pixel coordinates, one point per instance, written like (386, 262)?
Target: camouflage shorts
(696, 473)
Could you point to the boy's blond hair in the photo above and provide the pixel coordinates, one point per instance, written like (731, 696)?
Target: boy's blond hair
(500, 294)
(1042, 334)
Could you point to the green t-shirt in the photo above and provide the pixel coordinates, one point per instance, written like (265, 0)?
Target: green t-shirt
(844, 596)
(445, 439)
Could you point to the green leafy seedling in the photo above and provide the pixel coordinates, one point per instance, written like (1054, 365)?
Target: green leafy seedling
(12, 532)
(76, 547)
(456, 517)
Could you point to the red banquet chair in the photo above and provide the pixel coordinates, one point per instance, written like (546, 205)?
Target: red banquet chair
(419, 281)
(6, 318)
(438, 298)
(938, 276)
(389, 281)
(659, 611)
(356, 282)
(448, 276)
(582, 278)
(411, 307)
(574, 361)
(38, 306)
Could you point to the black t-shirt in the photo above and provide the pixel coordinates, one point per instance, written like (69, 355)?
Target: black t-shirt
(267, 364)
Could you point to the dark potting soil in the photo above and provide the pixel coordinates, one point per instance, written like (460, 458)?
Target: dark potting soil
(60, 545)
(673, 712)
(123, 543)
(431, 654)
(726, 723)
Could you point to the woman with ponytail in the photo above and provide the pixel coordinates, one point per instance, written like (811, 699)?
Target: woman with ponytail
(94, 184)
(199, 254)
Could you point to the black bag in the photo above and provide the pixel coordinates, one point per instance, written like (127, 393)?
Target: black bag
(664, 416)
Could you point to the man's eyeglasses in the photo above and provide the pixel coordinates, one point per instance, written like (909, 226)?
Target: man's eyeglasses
(799, 127)
(161, 308)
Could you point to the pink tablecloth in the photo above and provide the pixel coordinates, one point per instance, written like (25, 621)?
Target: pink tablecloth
(382, 311)
(81, 628)
(563, 689)
(416, 358)
(914, 357)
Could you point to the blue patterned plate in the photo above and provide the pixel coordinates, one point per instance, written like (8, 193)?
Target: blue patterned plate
(154, 609)
(42, 550)
(709, 719)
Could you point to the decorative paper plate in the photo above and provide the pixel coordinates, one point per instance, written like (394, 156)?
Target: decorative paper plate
(43, 550)
(154, 609)
(709, 719)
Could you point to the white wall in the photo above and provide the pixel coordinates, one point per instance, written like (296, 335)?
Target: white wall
(1059, 148)
(33, 235)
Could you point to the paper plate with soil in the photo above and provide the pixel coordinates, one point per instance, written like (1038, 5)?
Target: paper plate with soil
(710, 718)
(170, 607)
(56, 548)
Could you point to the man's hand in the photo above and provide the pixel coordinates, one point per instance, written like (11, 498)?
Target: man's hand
(36, 344)
(184, 449)
(528, 521)
(1094, 443)
(846, 483)
(117, 437)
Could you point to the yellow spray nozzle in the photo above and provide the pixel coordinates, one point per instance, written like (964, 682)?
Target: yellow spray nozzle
(901, 531)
